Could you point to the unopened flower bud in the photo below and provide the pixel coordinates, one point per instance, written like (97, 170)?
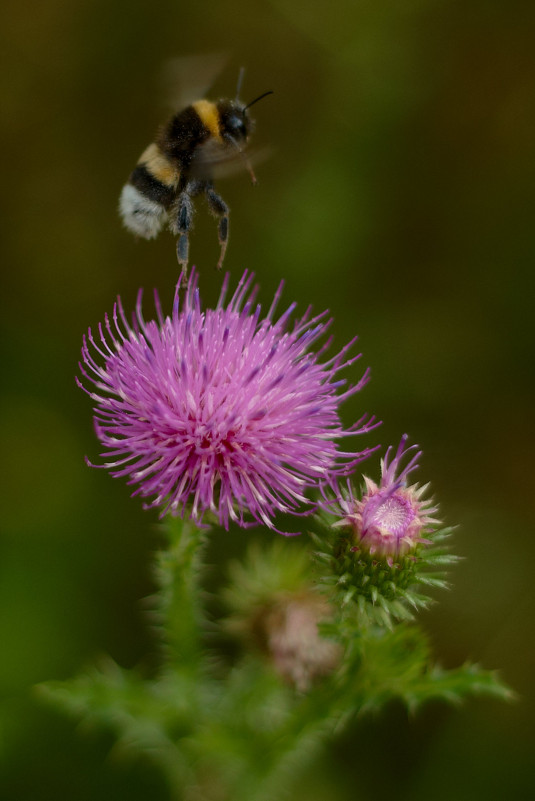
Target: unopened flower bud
(390, 519)
(275, 609)
(291, 638)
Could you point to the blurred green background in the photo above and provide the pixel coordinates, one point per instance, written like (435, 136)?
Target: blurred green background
(399, 193)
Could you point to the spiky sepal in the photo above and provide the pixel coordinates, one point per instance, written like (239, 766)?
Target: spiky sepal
(375, 589)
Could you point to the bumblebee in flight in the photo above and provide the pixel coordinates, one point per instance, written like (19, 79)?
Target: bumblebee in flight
(180, 165)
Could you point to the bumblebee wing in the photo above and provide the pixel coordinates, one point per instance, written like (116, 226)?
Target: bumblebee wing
(213, 160)
(188, 78)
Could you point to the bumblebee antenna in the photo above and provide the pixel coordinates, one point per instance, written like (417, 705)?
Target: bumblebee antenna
(260, 97)
(240, 81)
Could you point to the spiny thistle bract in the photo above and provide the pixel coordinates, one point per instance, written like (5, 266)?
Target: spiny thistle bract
(220, 411)
(384, 546)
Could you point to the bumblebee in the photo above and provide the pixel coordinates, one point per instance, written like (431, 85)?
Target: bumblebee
(189, 150)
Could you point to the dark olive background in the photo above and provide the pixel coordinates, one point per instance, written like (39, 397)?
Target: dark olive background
(399, 193)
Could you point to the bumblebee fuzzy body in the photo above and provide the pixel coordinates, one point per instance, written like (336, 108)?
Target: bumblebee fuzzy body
(180, 165)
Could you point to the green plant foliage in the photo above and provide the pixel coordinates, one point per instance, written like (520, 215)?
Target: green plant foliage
(247, 731)
(387, 664)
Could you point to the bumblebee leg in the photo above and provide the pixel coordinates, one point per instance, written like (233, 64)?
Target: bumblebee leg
(183, 225)
(219, 208)
(182, 251)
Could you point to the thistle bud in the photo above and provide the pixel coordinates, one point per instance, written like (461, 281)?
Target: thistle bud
(288, 634)
(391, 517)
(385, 543)
(276, 611)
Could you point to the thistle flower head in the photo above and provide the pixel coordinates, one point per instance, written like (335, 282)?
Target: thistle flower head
(391, 517)
(220, 411)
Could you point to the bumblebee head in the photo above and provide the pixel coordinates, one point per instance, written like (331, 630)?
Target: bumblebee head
(235, 125)
(234, 121)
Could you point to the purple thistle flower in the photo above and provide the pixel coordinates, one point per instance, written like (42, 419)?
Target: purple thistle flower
(391, 517)
(220, 411)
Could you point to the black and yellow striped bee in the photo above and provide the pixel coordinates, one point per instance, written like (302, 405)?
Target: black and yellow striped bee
(180, 165)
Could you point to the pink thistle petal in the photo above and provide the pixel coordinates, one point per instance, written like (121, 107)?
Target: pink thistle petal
(220, 411)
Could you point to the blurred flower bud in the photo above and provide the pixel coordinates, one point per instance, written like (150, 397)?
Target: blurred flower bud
(288, 633)
(276, 611)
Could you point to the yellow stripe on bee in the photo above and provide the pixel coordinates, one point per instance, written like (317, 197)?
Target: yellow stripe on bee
(209, 116)
(158, 165)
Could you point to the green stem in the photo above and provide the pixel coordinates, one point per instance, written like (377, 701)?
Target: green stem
(180, 610)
